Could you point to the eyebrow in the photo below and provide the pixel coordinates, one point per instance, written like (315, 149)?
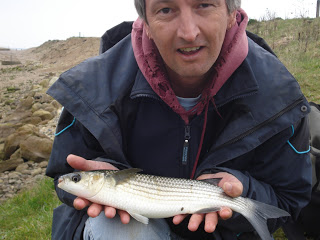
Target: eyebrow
(163, 1)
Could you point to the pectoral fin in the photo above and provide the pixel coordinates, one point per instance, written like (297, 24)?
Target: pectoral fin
(208, 210)
(139, 217)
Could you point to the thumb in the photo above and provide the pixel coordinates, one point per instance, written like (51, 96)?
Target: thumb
(233, 189)
(83, 164)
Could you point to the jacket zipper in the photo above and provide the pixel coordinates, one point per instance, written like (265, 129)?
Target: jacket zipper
(185, 151)
(252, 130)
(187, 134)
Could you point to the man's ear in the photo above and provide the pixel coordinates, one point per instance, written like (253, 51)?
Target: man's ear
(232, 19)
(147, 29)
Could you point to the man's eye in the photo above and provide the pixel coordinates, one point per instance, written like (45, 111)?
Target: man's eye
(165, 10)
(204, 5)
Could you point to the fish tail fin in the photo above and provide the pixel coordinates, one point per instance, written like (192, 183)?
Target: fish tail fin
(257, 214)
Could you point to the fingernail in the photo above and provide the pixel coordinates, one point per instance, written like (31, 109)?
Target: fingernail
(227, 187)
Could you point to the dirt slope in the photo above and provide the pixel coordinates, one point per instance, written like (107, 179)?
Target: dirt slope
(48, 60)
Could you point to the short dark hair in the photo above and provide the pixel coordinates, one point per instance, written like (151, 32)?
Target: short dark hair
(141, 7)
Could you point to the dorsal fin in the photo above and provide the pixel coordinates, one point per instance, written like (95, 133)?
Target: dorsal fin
(124, 175)
(213, 181)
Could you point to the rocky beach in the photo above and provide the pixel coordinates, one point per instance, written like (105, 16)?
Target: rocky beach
(28, 116)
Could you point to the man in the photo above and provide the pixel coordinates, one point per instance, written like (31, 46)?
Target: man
(189, 95)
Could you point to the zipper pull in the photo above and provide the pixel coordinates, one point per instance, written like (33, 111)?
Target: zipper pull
(185, 152)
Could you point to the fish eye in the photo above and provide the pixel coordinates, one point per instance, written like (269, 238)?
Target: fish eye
(76, 178)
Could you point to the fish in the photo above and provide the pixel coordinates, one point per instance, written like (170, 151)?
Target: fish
(146, 196)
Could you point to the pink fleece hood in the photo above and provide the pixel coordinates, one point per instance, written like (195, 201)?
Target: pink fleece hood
(233, 53)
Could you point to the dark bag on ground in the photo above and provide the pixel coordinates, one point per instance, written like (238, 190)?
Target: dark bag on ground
(308, 223)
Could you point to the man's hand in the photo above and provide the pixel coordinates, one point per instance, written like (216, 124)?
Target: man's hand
(231, 186)
(94, 209)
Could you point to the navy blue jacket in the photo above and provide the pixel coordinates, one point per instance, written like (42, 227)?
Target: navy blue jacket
(260, 135)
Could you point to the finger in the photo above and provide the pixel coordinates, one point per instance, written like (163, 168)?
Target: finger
(110, 212)
(206, 176)
(179, 218)
(225, 213)
(94, 210)
(195, 221)
(80, 203)
(229, 183)
(211, 221)
(83, 164)
(233, 189)
(124, 216)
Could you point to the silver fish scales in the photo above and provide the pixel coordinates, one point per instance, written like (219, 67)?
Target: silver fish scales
(147, 196)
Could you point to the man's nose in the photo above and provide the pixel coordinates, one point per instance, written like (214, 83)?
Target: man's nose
(188, 28)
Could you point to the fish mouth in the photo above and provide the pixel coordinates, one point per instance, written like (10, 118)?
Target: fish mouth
(60, 180)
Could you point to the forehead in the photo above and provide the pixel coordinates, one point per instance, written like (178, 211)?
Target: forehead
(173, 1)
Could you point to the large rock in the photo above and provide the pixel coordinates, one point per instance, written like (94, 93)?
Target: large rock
(35, 148)
(12, 142)
(45, 83)
(22, 167)
(15, 155)
(6, 129)
(43, 114)
(36, 88)
(26, 104)
(18, 116)
(55, 104)
(32, 120)
(36, 107)
(28, 129)
(10, 164)
(1, 151)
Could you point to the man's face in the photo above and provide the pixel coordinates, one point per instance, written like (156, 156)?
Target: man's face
(188, 33)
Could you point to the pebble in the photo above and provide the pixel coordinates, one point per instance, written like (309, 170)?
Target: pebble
(22, 167)
(13, 182)
(36, 172)
(38, 177)
(43, 164)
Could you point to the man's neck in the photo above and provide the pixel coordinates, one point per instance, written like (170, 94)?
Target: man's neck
(187, 87)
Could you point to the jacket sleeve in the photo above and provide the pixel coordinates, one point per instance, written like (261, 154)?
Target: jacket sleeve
(72, 138)
(278, 173)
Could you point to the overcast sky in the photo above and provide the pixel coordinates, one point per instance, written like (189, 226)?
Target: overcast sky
(29, 23)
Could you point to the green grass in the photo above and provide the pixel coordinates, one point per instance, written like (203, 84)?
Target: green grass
(12, 89)
(297, 44)
(29, 214)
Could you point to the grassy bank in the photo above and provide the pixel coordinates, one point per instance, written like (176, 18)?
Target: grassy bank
(29, 214)
(297, 44)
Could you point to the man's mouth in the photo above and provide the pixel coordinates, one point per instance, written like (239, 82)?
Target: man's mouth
(189, 50)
